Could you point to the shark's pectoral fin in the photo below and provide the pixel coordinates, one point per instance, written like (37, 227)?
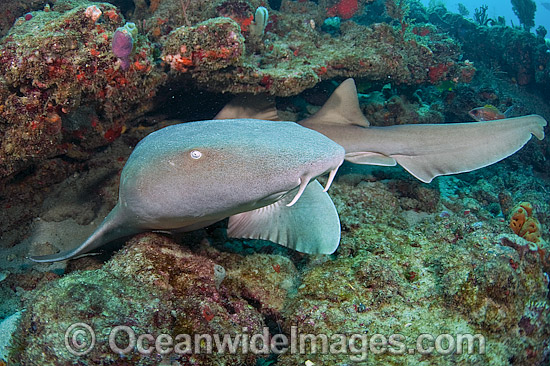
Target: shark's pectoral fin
(310, 226)
(370, 158)
(112, 227)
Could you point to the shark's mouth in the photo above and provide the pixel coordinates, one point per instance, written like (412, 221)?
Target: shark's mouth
(305, 179)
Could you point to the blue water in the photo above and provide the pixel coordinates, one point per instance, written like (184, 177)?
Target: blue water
(498, 8)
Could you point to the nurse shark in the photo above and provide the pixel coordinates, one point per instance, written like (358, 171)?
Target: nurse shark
(261, 173)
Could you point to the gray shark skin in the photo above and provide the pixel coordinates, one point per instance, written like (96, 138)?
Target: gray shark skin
(261, 174)
(424, 150)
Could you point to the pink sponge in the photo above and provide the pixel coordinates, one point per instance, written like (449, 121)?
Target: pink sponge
(123, 44)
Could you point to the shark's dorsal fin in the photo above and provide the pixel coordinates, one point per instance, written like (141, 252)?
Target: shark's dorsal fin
(255, 106)
(341, 108)
(310, 226)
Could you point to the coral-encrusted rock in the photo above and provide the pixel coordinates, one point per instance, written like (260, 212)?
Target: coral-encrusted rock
(98, 299)
(443, 276)
(66, 91)
(265, 280)
(199, 307)
(293, 55)
(521, 54)
(58, 74)
(211, 45)
(152, 285)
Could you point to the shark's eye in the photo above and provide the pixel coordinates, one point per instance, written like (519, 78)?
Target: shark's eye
(195, 154)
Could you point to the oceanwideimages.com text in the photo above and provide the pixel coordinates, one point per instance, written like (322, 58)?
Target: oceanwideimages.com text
(80, 339)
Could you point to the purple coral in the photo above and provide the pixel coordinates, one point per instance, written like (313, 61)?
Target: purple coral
(122, 46)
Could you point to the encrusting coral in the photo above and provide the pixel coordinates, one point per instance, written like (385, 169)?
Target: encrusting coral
(407, 265)
(524, 224)
(70, 61)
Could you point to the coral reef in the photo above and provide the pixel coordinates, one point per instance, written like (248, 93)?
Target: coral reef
(414, 259)
(433, 263)
(380, 285)
(69, 82)
(520, 54)
(308, 57)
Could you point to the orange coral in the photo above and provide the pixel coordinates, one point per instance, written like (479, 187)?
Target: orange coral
(531, 230)
(518, 217)
(524, 224)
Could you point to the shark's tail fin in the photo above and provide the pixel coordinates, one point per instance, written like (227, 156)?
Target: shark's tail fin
(427, 151)
(113, 227)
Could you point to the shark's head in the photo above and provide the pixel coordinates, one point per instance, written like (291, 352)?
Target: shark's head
(205, 171)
